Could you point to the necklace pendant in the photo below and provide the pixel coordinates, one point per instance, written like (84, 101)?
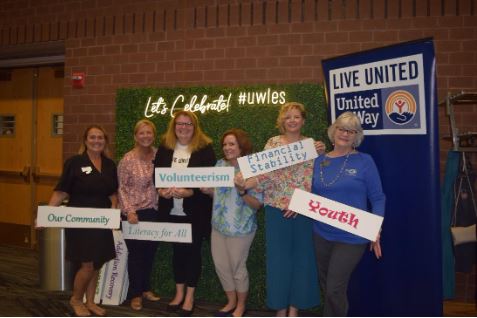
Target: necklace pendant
(325, 163)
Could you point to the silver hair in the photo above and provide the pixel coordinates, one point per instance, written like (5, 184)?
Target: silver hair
(347, 120)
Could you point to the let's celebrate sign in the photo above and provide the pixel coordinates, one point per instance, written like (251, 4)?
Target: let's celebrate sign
(341, 216)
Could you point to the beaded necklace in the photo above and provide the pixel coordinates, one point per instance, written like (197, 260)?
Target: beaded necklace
(326, 163)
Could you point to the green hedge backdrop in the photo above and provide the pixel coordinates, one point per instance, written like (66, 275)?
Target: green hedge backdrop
(258, 119)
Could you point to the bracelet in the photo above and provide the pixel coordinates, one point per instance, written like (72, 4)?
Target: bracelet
(243, 193)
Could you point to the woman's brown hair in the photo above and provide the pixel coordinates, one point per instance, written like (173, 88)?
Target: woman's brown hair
(243, 140)
(105, 151)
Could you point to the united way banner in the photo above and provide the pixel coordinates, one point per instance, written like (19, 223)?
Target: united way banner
(387, 95)
(393, 92)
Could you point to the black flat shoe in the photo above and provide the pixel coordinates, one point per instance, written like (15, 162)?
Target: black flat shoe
(187, 313)
(173, 307)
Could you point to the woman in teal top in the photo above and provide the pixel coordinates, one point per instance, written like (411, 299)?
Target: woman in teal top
(234, 224)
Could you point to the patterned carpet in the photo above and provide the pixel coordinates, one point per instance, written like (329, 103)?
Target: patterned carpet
(20, 294)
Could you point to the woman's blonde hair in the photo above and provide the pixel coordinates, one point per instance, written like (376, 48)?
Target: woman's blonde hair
(283, 111)
(145, 122)
(199, 138)
(347, 120)
(82, 148)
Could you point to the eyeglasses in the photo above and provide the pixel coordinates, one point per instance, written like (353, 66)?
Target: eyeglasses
(348, 131)
(184, 124)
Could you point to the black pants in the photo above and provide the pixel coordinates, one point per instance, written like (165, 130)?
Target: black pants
(141, 258)
(336, 262)
(186, 257)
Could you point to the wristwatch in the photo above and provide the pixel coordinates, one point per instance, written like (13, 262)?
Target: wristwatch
(242, 193)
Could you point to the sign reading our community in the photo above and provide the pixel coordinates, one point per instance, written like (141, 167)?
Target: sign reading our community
(210, 177)
(158, 231)
(336, 214)
(387, 95)
(69, 217)
(276, 158)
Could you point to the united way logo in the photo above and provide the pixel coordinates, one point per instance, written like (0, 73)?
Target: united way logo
(400, 107)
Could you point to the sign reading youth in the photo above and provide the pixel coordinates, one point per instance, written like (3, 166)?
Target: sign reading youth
(194, 177)
(277, 158)
(68, 217)
(387, 95)
(336, 214)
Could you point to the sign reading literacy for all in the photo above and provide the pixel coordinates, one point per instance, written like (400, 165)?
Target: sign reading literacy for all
(276, 158)
(69, 217)
(158, 231)
(336, 214)
(209, 177)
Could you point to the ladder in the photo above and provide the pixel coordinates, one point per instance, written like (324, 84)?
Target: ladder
(464, 142)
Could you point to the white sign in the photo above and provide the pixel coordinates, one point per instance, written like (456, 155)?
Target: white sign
(276, 158)
(158, 231)
(69, 217)
(116, 273)
(209, 177)
(341, 216)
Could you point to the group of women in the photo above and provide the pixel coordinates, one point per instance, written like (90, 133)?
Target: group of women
(302, 255)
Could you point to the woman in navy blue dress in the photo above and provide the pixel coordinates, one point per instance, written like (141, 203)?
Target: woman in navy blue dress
(89, 179)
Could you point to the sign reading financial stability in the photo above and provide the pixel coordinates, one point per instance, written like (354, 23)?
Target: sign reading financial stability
(210, 177)
(277, 158)
(68, 217)
(387, 95)
(336, 214)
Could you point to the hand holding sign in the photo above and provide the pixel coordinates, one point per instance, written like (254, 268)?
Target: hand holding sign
(320, 147)
(180, 193)
(376, 246)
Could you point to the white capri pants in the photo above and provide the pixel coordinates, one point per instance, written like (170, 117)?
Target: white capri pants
(230, 255)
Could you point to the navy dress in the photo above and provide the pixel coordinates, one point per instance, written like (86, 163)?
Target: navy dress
(87, 187)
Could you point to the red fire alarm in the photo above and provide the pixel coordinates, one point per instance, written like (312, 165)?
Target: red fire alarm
(77, 79)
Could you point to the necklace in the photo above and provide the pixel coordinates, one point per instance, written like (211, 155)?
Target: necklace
(326, 163)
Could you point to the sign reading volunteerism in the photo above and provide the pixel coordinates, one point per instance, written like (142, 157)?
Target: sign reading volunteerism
(341, 216)
(68, 217)
(276, 158)
(210, 177)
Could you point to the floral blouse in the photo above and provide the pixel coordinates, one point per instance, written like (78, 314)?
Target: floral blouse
(278, 185)
(231, 216)
(136, 186)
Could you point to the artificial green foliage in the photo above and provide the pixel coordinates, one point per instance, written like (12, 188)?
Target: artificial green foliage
(259, 121)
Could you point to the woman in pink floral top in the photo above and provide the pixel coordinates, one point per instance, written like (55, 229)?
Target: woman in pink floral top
(138, 202)
(292, 281)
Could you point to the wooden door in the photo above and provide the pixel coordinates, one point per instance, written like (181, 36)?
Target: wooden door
(31, 112)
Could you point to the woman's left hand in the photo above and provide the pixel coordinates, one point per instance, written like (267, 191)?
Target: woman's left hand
(376, 247)
(208, 191)
(320, 147)
(289, 214)
(180, 193)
